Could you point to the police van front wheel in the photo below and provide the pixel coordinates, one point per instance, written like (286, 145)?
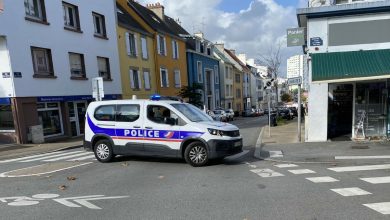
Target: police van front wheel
(103, 151)
(196, 154)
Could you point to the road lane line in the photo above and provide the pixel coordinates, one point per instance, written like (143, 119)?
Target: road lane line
(266, 173)
(322, 179)
(353, 191)
(52, 156)
(360, 168)
(383, 207)
(301, 171)
(67, 157)
(377, 180)
(5, 174)
(361, 157)
(286, 165)
(83, 158)
(29, 157)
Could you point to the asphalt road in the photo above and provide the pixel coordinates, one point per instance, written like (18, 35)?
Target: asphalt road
(151, 188)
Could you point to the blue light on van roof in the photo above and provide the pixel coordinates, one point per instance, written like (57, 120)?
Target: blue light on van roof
(155, 97)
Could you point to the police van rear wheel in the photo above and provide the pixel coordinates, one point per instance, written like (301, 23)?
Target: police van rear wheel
(103, 151)
(196, 154)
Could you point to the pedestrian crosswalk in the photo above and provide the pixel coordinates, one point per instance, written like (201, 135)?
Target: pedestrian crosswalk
(357, 189)
(78, 155)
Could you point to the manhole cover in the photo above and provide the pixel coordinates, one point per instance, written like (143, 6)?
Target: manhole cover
(360, 147)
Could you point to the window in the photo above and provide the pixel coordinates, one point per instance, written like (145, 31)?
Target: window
(160, 114)
(175, 50)
(144, 47)
(42, 61)
(191, 112)
(135, 79)
(217, 98)
(49, 116)
(200, 71)
(209, 51)
(197, 46)
(104, 68)
(227, 90)
(164, 78)
(71, 16)
(147, 79)
(105, 113)
(238, 78)
(177, 79)
(161, 45)
(226, 72)
(99, 24)
(77, 67)
(127, 113)
(216, 73)
(238, 93)
(35, 10)
(131, 44)
(202, 48)
(6, 118)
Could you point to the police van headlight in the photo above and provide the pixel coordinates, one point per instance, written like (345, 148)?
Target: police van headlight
(215, 132)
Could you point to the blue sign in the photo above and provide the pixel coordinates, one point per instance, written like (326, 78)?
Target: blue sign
(17, 75)
(73, 98)
(316, 41)
(5, 101)
(6, 75)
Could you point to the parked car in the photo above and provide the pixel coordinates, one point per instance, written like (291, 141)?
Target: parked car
(285, 113)
(230, 114)
(259, 112)
(294, 111)
(220, 115)
(248, 113)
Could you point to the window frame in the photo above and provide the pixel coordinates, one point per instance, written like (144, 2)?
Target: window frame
(102, 25)
(135, 72)
(199, 71)
(101, 106)
(161, 46)
(167, 77)
(107, 66)
(49, 61)
(82, 62)
(76, 27)
(174, 74)
(144, 47)
(131, 44)
(147, 72)
(41, 18)
(117, 111)
(175, 49)
(239, 78)
(216, 74)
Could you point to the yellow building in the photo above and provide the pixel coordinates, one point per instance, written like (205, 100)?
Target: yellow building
(169, 49)
(137, 59)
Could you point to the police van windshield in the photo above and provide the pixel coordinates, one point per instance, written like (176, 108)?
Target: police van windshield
(191, 112)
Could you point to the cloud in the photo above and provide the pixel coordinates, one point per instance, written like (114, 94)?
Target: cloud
(252, 31)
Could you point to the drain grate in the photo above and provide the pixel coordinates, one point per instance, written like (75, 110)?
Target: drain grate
(360, 147)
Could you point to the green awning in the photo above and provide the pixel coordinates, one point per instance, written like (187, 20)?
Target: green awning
(354, 64)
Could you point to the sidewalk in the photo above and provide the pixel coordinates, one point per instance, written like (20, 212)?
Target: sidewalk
(284, 139)
(18, 150)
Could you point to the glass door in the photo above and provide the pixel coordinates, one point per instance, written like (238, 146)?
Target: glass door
(81, 108)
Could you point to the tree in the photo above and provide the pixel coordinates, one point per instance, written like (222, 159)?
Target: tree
(191, 92)
(272, 62)
(286, 97)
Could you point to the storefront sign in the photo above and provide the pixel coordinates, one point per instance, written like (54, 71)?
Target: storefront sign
(17, 74)
(316, 41)
(73, 98)
(6, 75)
(295, 37)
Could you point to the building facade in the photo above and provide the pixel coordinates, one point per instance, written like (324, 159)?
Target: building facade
(47, 76)
(238, 73)
(203, 69)
(226, 77)
(349, 55)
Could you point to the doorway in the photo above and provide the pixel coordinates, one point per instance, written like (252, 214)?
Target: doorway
(340, 111)
(76, 112)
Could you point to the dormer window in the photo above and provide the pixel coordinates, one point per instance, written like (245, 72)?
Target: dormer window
(202, 48)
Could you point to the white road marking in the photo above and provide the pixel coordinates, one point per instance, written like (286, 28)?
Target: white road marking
(266, 172)
(233, 157)
(360, 168)
(361, 157)
(383, 207)
(83, 158)
(67, 157)
(52, 156)
(83, 200)
(286, 165)
(322, 179)
(5, 174)
(302, 171)
(29, 157)
(87, 204)
(354, 191)
(377, 180)
(277, 153)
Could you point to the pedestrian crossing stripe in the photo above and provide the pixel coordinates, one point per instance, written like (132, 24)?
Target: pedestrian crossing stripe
(382, 207)
(322, 179)
(361, 168)
(353, 191)
(377, 180)
(54, 156)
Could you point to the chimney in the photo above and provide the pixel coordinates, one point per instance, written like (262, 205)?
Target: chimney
(199, 34)
(242, 57)
(157, 8)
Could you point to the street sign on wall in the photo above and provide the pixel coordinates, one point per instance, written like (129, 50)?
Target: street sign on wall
(295, 37)
(294, 81)
(97, 88)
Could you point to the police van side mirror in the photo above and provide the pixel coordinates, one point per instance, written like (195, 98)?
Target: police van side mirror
(170, 121)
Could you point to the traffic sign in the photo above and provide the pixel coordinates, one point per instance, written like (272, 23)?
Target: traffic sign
(97, 88)
(294, 81)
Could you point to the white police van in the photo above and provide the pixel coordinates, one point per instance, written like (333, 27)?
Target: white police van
(157, 128)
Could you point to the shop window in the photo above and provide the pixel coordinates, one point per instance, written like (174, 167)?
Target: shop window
(49, 116)
(105, 113)
(6, 118)
(127, 113)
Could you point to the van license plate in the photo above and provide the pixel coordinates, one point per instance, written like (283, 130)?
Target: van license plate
(237, 144)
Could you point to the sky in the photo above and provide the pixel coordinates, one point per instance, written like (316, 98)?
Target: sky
(252, 27)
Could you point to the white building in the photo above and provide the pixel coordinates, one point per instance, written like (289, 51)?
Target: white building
(226, 77)
(49, 52)
(349, 56)
(297, 66)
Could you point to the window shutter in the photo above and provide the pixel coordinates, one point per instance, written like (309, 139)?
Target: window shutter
(173, 50)
(146, 80)
(161, 79)
(135, 45)
(167, 76)
(132, 78)
(158, 44)
(144, 48)
(127, 44)
(165, 47)
(177, 50)
(177, 79)
(139, 79)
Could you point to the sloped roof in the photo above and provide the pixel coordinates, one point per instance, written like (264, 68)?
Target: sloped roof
(127, 21)
(235, 58)
(222, 56)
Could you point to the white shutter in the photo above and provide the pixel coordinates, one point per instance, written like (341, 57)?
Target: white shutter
(165, 47)
(127, 43)
(146, 80)
(177, 79)
(173, 50)
(139, 79)
(177, 50)
(158, 44)
(135, 45)
(144, 48)
(167, 76)
(132, 79)
(161, 81)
